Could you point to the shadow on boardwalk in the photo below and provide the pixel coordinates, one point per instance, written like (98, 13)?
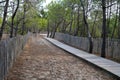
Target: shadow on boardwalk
(40, 60)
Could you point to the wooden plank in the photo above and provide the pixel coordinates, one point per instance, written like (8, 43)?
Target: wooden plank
(108, 65)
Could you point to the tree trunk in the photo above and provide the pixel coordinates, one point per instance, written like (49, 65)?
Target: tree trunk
(88, 31)
(115, 25)
(63, 27)
(13, 16)
(93, 29)
(103, 53)
(48, 29)
(23, 24)
(4, 18)
(70, 29)
(55, 29)
(108, 21)
(78, 23)
(119, 24)
(16, 30)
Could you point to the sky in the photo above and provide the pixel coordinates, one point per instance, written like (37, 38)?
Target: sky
(47, 2)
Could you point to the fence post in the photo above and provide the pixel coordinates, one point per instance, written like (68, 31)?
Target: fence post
(9, 50)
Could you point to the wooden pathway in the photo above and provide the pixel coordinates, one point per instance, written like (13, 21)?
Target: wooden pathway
(105, 64)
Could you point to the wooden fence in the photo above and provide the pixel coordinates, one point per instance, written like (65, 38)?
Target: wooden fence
(9, 50)
(112, 46)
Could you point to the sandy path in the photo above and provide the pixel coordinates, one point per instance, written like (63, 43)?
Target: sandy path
(40, 60)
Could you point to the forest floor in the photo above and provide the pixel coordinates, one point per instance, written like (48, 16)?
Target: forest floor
(40, 60)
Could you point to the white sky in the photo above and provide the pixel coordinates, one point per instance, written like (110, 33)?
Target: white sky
(47, 2)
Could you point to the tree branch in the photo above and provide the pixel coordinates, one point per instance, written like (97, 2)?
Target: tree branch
(2, 2)
(110, 5)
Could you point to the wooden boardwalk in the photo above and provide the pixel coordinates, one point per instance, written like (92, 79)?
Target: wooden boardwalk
(105, 64)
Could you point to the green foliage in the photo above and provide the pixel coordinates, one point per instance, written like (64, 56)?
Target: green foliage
(62, 13)
(56, 12)
(35, 22)
(35, 18)
(0, 20)
(66, 10)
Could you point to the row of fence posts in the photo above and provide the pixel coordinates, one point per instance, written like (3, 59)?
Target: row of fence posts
(112, 46)
(9, 50)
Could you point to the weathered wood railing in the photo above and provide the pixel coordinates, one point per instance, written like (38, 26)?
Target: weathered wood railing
(112, 47)
(9, 50)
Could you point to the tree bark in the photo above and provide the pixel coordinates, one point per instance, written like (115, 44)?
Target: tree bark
(108, 21)
(115, 24)
(87, 27)
(48, 29)
(63, 27)
(24, 15)
(103, 51)
(119, 24)
(78, 22)
(71, 22)
(55, 28)
(93, 29)
(13, 16)
(4, 18)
